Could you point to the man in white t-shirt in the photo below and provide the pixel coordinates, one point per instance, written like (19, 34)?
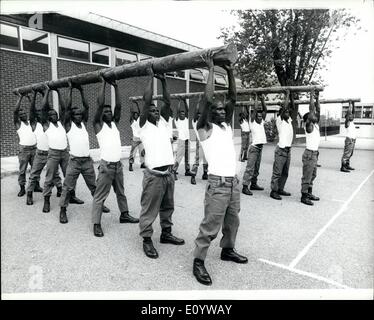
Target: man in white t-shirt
(350, 140)
(310, 155)
(222, 196)
(158, 182)
(255, 151)
(136, 144)
(245, 133)
(110, 169)
(183, 148)
(282, 154)
(27, 142)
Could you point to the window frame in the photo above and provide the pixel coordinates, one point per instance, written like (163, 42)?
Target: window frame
(33, 52)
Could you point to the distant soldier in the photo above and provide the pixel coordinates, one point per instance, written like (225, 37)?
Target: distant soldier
(136, 144)
(350, 140)
(245, 133)
(27, 142)
(110, 168)
(183, 150)
(282, 154)
(199, 152)
(255, 151)
(310, 155)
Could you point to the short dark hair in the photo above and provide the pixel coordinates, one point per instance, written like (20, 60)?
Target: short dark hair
(108, 106)
(305, 116)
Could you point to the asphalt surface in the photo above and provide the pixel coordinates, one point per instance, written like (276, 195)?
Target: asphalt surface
(70, 259)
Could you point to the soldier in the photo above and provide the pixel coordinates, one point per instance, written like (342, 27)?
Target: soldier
(310, 155)
(183, 150)
(158, 182)
(80, 162)
(41, 155)
(350, 140)
(27, 142)
(136, 144)
(110, 168)
(255, 152)
(222, 196)
(282, 154)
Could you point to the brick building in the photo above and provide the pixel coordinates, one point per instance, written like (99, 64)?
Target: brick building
(45, 46)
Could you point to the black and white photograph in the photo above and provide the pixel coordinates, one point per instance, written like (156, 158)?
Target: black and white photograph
(187, 150)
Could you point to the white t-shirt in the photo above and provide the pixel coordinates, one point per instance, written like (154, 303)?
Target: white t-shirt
(219, 151)
(183, 129)
(351, 130)
(135, 128)
(244, 125)
(110, 143)
(41, 138)
(313, 138)
(57, 136)
(26, 135)
(78, 141)
(258, 133)
(285, 131)
(156, 142)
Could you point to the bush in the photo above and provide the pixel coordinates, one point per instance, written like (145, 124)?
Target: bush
(271, 130)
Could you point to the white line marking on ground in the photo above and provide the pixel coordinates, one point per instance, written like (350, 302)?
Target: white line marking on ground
(307, 274)
(320, 232)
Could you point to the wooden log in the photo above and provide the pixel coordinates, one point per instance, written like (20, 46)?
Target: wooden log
(279, 102)
(181, 61)
(239, 92)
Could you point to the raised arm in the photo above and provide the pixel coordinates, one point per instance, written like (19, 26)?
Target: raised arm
(118, 105)
(16, 120)
(148, 93)
(309, 121)
(45, 108)
(165, 109)
(203, 121)
(353, 108)
(100, 105)
(196, 114)
(185, 106)
(62, 105)
(255, 107)
(286, 104)
(317, 106)
(66, 120)
(264, 108)
(84, 103)
(32, 116)
(231, 96)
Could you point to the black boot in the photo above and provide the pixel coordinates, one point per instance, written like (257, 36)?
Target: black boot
(255, 186)
(74, 199)
(126, 218)
(188, 173)
(130, 167)
(343, 168)
(228, 254)
(47, 205)
(167, 237)
(305, 199)
(98, 232)
(205, 174)
(348, 166)
(29, 200)
(246, 191)
(105, 209)
(38, 188)
(59, 192)
(275, 195)
(284, 193)
(22, 192)
(193, 180)
(142, 166)
(175, 175)
(200, 272)
(63, 217)
(149, 249)
(311, 196)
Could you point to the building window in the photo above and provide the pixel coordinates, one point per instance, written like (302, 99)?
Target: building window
(99, 54)
(9, 37)
(368, 112)
(358, 112)
(143, 57)
(220, 79)
(123, 57)
(176, 74)
(73, 49)
(35, 41)
(197, 75)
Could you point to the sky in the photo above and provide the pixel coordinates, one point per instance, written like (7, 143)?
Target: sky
(351, 67)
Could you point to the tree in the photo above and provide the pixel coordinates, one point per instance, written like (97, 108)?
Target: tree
(286, 47)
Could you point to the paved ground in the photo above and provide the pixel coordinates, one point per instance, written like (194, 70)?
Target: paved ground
(289, 245)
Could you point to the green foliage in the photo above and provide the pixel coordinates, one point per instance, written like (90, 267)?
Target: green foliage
(270, 130)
